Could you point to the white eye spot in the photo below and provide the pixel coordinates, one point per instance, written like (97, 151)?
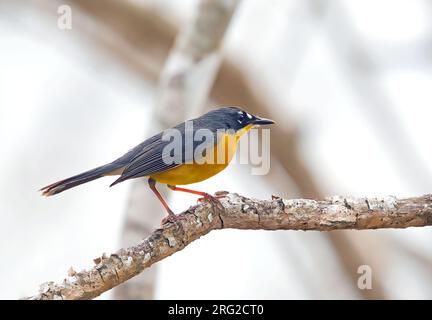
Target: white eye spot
(249, 116)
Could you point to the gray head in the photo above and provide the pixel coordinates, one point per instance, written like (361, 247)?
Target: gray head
(232, 118)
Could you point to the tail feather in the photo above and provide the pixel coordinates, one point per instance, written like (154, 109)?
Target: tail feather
(78, 179)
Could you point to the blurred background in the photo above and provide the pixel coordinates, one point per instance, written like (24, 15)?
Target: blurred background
(349, 83)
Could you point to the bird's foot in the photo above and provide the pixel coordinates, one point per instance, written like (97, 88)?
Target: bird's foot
(210, 198)
(172, 218)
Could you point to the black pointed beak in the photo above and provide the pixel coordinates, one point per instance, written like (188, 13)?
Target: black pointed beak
(262, 121)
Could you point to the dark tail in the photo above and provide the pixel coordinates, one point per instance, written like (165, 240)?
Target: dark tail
(84, 177)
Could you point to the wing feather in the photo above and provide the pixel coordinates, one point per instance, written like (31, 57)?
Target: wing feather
(149, 158)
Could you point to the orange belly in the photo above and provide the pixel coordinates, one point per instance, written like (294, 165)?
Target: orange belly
(211, 164)
(188, 173)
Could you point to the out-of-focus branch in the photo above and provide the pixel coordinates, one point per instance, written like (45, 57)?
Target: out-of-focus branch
(362, 71)
(239, 212)
(192, 65)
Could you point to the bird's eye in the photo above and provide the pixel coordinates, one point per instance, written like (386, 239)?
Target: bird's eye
(244, 117)
(241, 117)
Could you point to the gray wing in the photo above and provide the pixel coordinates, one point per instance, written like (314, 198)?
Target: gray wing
(149, 157)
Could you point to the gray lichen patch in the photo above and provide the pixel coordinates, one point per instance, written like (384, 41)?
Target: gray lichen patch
(233, 199)
(298, 204)
(70, 280)
(390, 203)
(147, 257)
(210, 217)
(129, 260)
(387, 204)
(198, 222)
(356, 203)
(172, 242)
(46, 286)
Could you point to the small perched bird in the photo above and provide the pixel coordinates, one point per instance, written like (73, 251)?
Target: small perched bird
(153, 157)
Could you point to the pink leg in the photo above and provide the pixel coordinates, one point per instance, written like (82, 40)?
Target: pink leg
(171, 216)
(205, 196)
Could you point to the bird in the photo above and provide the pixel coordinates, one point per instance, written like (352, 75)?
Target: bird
(223, 127)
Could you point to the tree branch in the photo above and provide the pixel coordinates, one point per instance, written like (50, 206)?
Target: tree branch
(239, 212)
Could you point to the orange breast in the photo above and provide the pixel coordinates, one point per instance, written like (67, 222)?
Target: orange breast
(207, 166)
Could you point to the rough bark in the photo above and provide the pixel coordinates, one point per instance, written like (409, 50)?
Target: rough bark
(239, 212)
